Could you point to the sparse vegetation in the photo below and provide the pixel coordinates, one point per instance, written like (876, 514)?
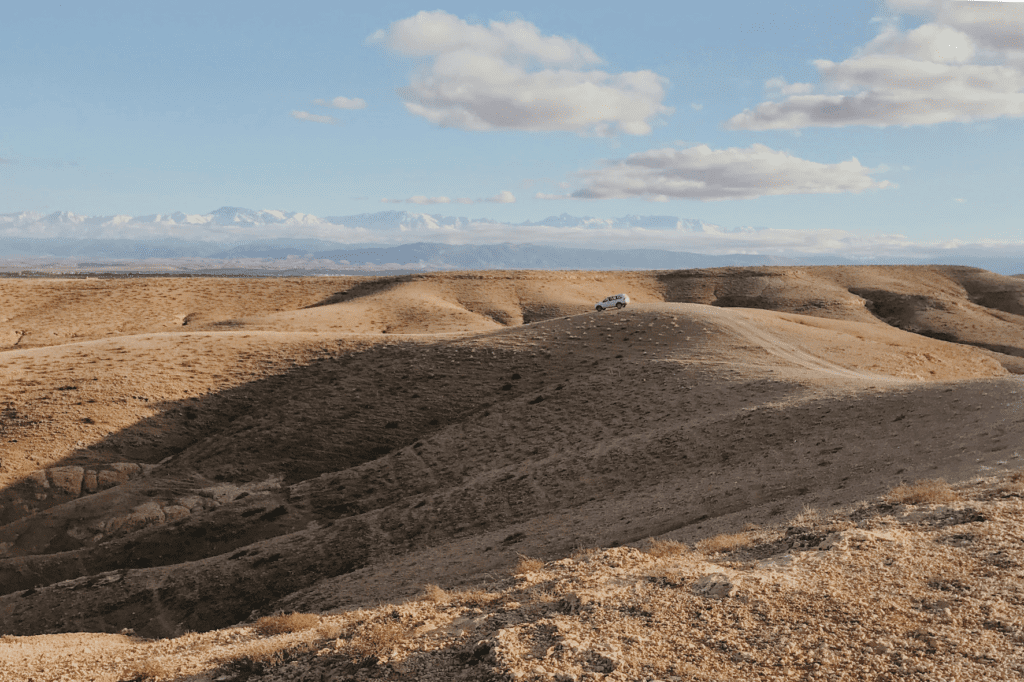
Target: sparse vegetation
(149, 670)
(475, 597)
(930, 491)
(665, 548)
(808, 516)
(330, 630)
(527, 565)
(255, 657)
(435, 594)
(1014, 484)
(584, 552)
(377, 640)
(723, 543)
(283, 623)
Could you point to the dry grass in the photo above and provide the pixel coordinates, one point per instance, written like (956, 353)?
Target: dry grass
(475, 597)
(257, 657)
(723, 543)
(1012, 484)
(377, 640)
(283, 623)
(933, 491)
(527, 565)
(582, 553)
(664, 548)
(434, 594)
(331, 630)
(808, 516)
(149, 670)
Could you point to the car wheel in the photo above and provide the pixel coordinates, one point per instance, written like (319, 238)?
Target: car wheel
(620, 306)
(598, 308)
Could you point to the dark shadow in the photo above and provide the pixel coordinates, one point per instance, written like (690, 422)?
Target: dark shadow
(326, 417)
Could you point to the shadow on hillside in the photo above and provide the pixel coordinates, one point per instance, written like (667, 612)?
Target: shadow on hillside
(240, 450)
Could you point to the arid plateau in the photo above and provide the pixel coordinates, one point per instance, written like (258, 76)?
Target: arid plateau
(763, 473)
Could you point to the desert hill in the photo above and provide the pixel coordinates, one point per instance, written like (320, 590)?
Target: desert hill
(182, 454)
(921, 584)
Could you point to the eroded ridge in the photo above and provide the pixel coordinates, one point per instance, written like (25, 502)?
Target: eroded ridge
(924, 583)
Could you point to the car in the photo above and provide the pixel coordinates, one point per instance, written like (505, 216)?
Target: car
(617, 301)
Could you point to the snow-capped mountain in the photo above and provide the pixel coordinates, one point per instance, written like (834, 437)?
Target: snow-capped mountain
(230, 223)
(440, 241)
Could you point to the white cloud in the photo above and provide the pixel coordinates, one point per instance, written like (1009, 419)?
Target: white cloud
(965, 65)
(784, 88)
(696, 107)
(502, 197)
(717, 174)
(315, 118)
(341, 103)
(506, 75)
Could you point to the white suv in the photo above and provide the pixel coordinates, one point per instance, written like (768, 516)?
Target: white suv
(616, 301)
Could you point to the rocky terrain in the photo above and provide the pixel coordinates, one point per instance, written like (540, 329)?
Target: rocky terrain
(924, 583)
(181, 456)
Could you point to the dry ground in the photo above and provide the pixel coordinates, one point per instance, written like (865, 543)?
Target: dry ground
(185, 454)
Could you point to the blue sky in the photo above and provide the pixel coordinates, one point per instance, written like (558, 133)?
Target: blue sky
(721, 111)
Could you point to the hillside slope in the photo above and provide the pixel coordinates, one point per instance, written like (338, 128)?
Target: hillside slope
(182, 480)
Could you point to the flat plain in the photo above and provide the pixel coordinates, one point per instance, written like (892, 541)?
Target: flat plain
(474, 475)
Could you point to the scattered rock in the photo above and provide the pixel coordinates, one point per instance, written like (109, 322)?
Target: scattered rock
(716, 586)
(67, 480)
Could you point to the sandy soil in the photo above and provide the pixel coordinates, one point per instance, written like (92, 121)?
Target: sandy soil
(187, 454)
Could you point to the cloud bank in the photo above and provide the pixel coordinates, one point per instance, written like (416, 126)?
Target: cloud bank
(240, 225)
(503, 197)
(719, 174)
(508, 76)
(967, 64)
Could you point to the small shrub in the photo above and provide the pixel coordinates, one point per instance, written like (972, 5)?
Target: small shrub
(808, 516)
(286, 622)
(933, 491)
(474, 597)
(435, 594)
(1014, 483)
(377, 640)
(149, 670)
(723, 543)
(581, 553)
(330, 630)
(664, 548)
(527, 565)
(255, 658)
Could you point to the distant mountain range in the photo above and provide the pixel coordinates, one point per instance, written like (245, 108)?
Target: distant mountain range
(239, 238)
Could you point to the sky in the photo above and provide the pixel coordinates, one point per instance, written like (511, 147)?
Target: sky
(877, 120)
